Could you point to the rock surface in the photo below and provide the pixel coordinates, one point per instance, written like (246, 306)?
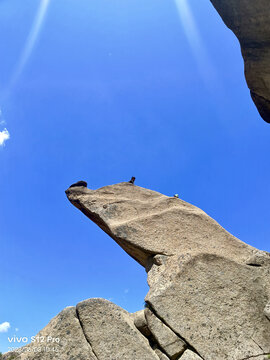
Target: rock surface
(267, 310)
(222, 307)
(146, 223)
(249, 20)
(208, 287)
(61, 339)
(209, 292)
(168, 341)
(190, 355)
(111, 332)
(141, 323)
(161, 355)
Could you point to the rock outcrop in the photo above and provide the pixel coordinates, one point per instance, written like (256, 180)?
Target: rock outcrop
(168, 341)
(209, 292)
(61, 339)
(111, 332)
(249, 20)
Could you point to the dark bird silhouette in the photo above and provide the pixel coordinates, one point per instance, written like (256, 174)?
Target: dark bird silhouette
(132, 180)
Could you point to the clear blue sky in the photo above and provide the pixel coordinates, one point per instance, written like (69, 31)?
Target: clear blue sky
(99, 91)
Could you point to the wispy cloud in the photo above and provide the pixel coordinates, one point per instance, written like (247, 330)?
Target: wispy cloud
(4, 327)
(195, 40)
(4, 136)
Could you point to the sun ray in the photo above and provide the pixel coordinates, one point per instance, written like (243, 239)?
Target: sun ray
(195, 40)
(29, 46)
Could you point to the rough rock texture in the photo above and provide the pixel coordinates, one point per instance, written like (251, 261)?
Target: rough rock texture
(209, 292)
(267, 310)
(111, 332)
(161, 355)
(249, 20)
(208, 287)
(222, 307)
(169, 342)
(94, 330)
(141, 323)
(146, 223)
(72, 342)
(190, 355)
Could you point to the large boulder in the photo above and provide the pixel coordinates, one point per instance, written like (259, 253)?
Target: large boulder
(209, 295)
(61, 339)
(146, 223)
(249, 20)
(207, 287)
(111, 332)
(95, 329)
(217, 305)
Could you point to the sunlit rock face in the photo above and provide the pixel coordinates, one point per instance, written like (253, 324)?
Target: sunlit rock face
(207, 288)
(250, 20)
(209, 295)
(149, 225)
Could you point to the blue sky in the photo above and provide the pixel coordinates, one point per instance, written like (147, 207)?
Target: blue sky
(99, 91)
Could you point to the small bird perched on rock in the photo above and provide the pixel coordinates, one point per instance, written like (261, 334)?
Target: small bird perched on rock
(132, 180)
(176, 196)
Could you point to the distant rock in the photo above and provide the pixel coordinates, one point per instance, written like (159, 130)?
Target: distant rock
(250, 20)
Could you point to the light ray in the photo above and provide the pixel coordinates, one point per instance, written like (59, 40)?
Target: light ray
(195, 40)
(30, 44)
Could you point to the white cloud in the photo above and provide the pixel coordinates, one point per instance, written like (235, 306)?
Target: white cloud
(4, 327)
(4, 136)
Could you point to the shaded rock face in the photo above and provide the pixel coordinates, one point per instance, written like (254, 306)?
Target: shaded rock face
(249, 20)
(209, 295)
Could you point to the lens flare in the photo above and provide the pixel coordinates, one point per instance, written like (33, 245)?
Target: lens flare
(195, 40)
(30, 44)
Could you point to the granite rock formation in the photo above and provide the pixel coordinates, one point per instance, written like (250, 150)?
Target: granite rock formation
(249, 20)
(209, 292)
